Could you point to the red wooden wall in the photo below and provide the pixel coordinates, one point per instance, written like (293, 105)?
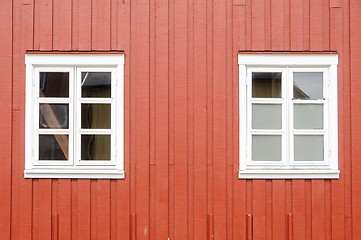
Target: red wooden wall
(181, 96)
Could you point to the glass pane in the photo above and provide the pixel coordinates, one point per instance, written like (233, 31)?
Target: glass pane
(266, 85)
(95, 116)
(53, 147)
(95, 147)
(266, 148)
(308, 148)
(95, 84)
(308, 116)
(308, 85)
(53, 115)
(54, 84)
(266, 116)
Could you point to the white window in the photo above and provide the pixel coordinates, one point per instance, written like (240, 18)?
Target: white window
(74, 116)
(288, 116)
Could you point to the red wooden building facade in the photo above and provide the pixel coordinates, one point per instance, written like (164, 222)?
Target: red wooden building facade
(181, 155)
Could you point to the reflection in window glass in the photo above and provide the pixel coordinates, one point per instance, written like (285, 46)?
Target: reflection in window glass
(95, 84)
(266, 85)
(308, 85)
(266, 148)
(95, 116)
(54, 84)
(308, 116)
(266, 116)
(308, 148)
(95, 147)
(53, 115)
(53, 147)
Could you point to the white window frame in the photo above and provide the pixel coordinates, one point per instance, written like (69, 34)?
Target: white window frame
(74, 167)
(287, 64)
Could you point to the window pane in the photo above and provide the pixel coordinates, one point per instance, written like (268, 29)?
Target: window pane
(266, 85)
(53, 147)
(95, 147)
(96, 84)
(308, 85)
(308, 148)
(95, 116)
(308, 116)
(266, 116)
(266, 148)
(54, 84)
(53, 115)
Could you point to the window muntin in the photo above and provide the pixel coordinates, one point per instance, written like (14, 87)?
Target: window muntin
(289, 105)
(72, 105)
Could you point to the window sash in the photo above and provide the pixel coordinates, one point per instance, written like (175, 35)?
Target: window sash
(287, 132)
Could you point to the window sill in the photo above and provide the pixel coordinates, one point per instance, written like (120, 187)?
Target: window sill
(288, 174)
(90, 174)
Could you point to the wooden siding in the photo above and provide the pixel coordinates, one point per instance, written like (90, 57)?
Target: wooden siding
(181, 121)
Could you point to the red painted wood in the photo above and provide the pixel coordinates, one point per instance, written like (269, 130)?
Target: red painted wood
(181, 120)
(249, 227)
(278, 209)
(299, 209)
(5, 120)
(200, 120)
(355, 115)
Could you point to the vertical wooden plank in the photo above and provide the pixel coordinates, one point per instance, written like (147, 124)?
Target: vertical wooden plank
(45, 193)
(103, 209)
(328, 210)
(316, 18)
(298, 209)
(258, 25)
(180, 120)
(200, 120)
(25, 185)
(35, 210)
(100, 25)
(113, 209)
(141, 79)
(219, 119)
(123, 186)
(229, 119)
(209, 43)
(318, 209)
(306, 25)
(259, 209)
(64, 208)
(16, 162)
(326, 25)
(355, 23)
(239, 186)
(171, 149)
(84, 209)
(190, 117)
(268, 209)
(93, 194)
(83, 24)
(296, 11)
(267, 25)
(346, 89)
(62, 22)
(6, 119)
(277, 25)
(74, 209)
(43, 31)
(308, 207)
(337, 186)
(161, 120)
(278, 209)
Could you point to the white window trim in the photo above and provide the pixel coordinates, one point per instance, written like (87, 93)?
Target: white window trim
(299, 62)
(73, 169)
